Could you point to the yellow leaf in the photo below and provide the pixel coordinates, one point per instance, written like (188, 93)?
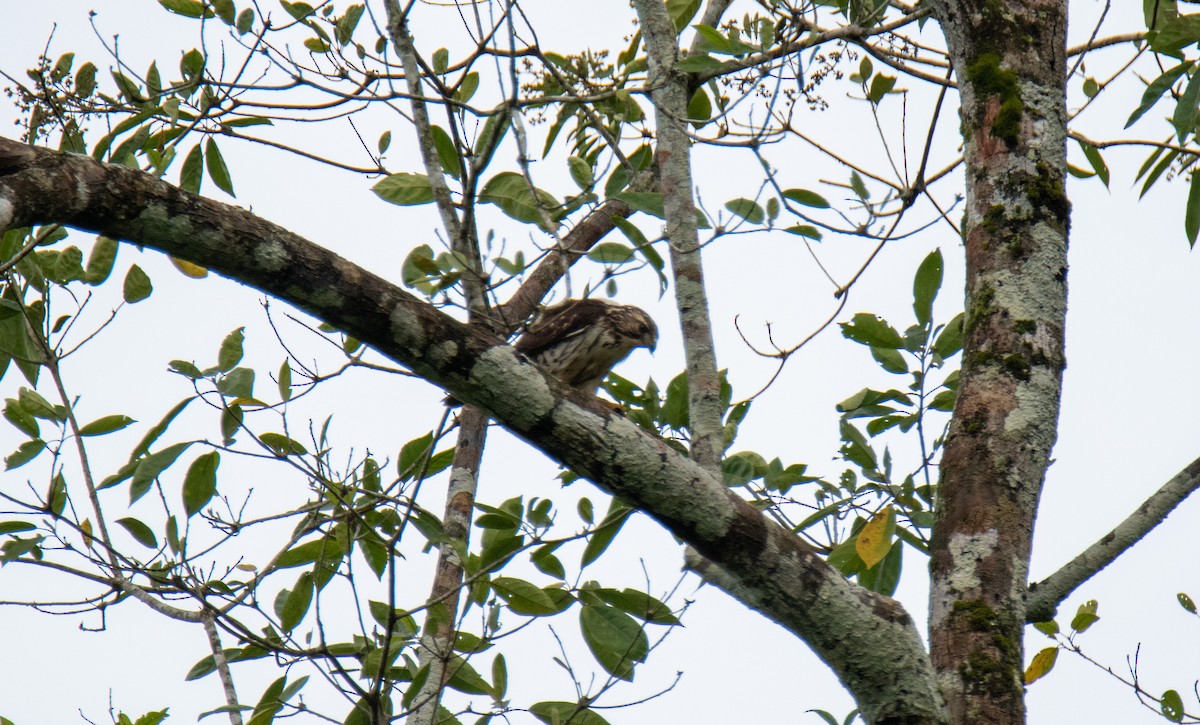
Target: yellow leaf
(86, 529)
(194, 271)
(1042, 663)
(874, 542)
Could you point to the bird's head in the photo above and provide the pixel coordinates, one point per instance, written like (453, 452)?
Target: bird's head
(637, 328)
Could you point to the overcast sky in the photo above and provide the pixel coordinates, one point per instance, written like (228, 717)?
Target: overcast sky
(1128, 420)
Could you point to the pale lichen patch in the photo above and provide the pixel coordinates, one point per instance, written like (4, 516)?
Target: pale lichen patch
(6, 213)
(271, 256)
(501, 373)
(406, 328)
(440, 353)
(966, 551)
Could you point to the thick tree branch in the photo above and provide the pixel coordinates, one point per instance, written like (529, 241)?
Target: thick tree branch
(1009, 60)
(1046, 595)
(846, 625)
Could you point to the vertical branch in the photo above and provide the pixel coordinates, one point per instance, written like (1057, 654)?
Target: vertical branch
(1010, 63)
(437, 642)
(222, 665)
(438, 639)
(461, 240)
(670, 94)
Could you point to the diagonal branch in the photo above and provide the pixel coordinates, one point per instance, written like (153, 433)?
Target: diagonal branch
(869, 640)
(1046, 595)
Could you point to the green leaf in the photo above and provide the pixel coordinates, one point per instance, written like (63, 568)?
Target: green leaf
(85, 80)
(1155, 91)
(269, 705)
(281, 445)
(747, 209)
(441, 60)
(1191, 215)
(25, 453)
(291, 605)
(858, 186)
(285, 381)
(464, 678)
(225, 10)
(1085, 616)
(1172, 706)
(200, 483)
(404, 189)
(714, 40)
(547, 563)
(615, 639)
(926, 284)
(100, 260)
(302, 554)
(230, 352)
(640, 605)
(881, 85)
(891, 360)
(191, 175)
(1096, 160)
(467, 87)
(24, 421)
(699, 109)
(804, 230)
(150, 467)
(807, 198)
(187, 8)
(510, 191)
(523, 597)
(557, 713)
(245, 21)
(598, 542)
(581, 172)
(699, 63)
(1186, 602)
(682, 12)
(140, 532)
(107, 424)
(950, 340)
(317, 45)
(159, 428)
(237, 383)
(1184, 118)
(872, 330)
(15, 527)
(446, 151)
(610, 253)
(344, 31)
(56, 495)
(137, 285)
(217, 170)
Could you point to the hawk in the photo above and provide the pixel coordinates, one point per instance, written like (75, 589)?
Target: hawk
(579, 341)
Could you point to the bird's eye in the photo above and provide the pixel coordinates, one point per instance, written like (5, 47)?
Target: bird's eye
(642, 329)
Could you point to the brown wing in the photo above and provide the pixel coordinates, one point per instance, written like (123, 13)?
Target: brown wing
(559, 322)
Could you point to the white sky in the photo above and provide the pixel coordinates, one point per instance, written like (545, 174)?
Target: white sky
(1127, 421)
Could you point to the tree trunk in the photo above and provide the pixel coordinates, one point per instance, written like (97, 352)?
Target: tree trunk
(1009, 60)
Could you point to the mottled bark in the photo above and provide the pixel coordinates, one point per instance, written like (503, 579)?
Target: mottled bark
(1046, 595)
(670, 94)
(846, 625)
(1009, 60)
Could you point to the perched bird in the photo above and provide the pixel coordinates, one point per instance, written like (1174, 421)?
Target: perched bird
(579, 341)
